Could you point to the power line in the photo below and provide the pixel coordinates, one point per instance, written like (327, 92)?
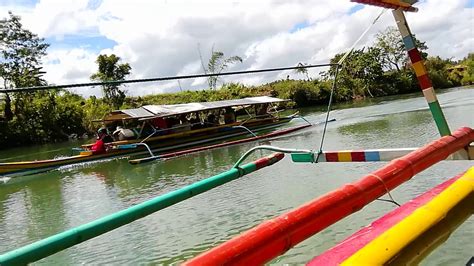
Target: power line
(115, 82)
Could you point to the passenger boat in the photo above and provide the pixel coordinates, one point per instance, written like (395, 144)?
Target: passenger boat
(209, 124)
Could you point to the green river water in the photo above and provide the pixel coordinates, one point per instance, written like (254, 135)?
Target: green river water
(34, 207)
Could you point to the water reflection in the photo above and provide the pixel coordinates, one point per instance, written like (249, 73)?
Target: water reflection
(21, 207)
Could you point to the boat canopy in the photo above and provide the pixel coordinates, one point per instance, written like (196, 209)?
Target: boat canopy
(153, 111)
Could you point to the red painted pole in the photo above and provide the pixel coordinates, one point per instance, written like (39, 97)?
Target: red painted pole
(274, 237)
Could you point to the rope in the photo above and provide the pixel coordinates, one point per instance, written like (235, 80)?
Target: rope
(320, 151)
(333, 88)
(117, 82)
(343, 58)
(392, 200)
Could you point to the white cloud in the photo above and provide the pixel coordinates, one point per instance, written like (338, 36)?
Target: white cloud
(71, 66)
(160, 38)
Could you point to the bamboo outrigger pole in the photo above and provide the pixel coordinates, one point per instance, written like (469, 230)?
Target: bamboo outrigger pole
(274, 237)
(53, 244)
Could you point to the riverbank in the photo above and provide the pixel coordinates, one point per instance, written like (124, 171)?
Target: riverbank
(54, 116)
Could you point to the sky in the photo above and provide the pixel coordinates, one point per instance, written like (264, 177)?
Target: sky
(165, 37)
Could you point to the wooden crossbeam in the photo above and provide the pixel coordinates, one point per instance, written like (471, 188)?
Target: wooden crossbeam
(405, 5)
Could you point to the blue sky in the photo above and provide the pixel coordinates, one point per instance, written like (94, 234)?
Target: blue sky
(92, 43)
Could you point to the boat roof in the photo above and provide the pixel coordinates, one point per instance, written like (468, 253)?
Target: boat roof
(153, 111)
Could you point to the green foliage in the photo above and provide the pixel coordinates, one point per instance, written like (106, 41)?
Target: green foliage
(111, 70)
(20, 59)
(392, 50)
(302, 70)
(468, 74)
(49, 116)
(437, 71)
(218, 63)
(94, 109)
(31, 117)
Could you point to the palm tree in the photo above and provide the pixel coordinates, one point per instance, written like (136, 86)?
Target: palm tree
(218, 63)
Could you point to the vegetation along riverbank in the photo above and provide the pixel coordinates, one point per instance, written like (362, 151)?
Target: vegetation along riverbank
(47, 116)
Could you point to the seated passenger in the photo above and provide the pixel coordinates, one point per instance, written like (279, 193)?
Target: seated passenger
(195, 121)
(124, 133)
(102, 138)
(159, 122)
(211, 120)
(183, 125)
(229, 116)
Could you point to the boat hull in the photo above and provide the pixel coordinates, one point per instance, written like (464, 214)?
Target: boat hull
(158, 145)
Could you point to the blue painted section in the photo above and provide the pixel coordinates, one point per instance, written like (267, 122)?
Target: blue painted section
(299, 26)
(126, 146)
(355, 8)
(372, 156)
(409, 44)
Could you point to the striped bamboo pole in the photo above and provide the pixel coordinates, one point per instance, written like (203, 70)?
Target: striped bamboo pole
(347, 156)
(421, 74)
(71, 237)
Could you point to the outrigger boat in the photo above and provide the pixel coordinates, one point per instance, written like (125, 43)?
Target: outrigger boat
(244, 116)
(403, 236)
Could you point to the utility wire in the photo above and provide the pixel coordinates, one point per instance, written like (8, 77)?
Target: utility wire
(114, 82)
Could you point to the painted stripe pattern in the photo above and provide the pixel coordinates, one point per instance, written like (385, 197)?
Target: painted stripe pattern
(421, 73)
(363, 155)
(345, 249)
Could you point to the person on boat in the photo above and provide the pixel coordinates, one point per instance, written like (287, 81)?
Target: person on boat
(229, 116)
(261, 110)
(183, 125)
(195, 121)
(160, 124)
(124, 133)
(102, 138)
(211, 120)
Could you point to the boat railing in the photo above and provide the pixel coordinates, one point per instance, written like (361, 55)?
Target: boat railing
(246, 128)
(134, 146)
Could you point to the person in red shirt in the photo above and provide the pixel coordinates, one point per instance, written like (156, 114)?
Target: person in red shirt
(102, 138)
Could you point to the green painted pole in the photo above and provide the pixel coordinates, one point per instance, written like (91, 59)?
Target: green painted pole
(421, 73)
(53, 244)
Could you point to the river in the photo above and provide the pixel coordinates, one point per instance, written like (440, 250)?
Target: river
(34, 207)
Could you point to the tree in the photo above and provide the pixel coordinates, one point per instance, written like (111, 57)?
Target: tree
(361, 74)
(468, 75)
(111, 70)
(20, 61)
(217, 63)
(393, 53)
(302, 70)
